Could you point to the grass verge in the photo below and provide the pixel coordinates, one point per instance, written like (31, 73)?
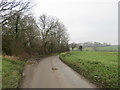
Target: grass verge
(0, 72)
(11, 72)
(100, 68)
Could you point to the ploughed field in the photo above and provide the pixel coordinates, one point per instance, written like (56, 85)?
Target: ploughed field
(100, 68)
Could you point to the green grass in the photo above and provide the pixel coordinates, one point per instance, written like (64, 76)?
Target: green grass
(100, 68)
(11, 72)
(88, 49)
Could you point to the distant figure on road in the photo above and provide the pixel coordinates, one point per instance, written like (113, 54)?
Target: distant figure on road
(80, 48)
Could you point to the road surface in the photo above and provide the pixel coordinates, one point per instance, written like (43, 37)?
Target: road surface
(50, 72)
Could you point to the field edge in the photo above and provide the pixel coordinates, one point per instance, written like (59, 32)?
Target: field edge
(98, 84)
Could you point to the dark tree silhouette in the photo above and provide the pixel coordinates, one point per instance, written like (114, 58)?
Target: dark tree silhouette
(80, 48)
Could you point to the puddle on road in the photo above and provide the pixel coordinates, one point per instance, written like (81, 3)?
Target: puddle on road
(54, 69)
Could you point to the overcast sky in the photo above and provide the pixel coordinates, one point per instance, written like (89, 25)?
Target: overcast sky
(85, 20)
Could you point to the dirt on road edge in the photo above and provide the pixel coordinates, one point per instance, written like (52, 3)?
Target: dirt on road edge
(28, 71)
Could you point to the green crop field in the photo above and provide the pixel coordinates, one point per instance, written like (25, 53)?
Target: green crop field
(11, 72)
(100, 68)
(107, 48)
(113, 48)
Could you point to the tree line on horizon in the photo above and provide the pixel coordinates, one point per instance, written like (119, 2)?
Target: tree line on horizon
(23, 35)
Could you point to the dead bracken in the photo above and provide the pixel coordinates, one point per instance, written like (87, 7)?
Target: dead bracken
(30, 62)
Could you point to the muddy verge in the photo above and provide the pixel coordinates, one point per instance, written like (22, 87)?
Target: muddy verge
(28, 73)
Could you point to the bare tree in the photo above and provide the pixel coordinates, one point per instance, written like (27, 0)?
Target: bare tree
(73, 45)
(10, 8)
(46, 26)
(53, 34)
